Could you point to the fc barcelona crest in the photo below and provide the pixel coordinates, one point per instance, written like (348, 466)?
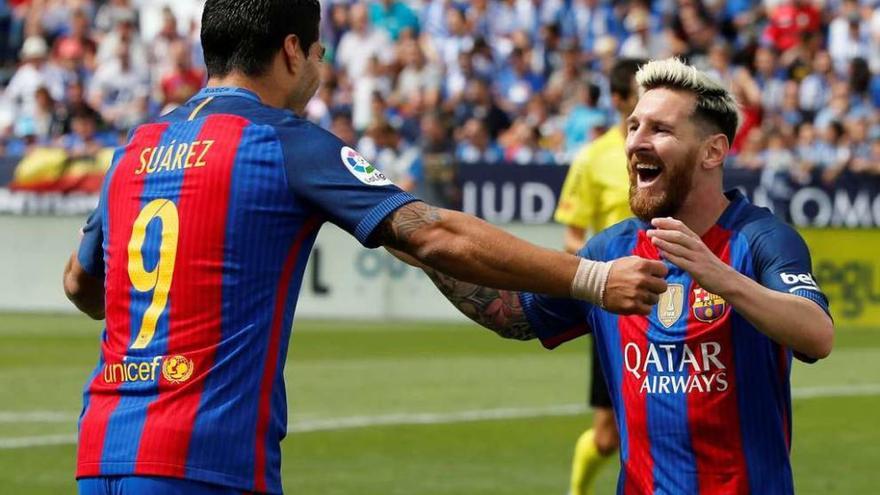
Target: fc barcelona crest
(708, 307)
(670, 304)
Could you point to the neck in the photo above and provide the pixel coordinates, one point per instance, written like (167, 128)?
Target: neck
(702, 208)
(268, 94)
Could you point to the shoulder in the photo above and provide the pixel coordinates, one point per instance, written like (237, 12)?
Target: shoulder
(302, 139)
(767, 238)
(582, 156)
(614, 242)
(759, 226)
(588, 154)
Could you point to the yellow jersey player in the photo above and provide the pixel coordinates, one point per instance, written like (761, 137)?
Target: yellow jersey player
(595, 196)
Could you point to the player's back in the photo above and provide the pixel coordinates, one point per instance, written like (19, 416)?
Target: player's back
(204, 243)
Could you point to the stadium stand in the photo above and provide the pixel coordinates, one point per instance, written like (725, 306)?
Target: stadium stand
(427, 86)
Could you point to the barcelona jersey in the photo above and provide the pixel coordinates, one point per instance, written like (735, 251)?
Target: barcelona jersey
(702, 398)
(201, 235)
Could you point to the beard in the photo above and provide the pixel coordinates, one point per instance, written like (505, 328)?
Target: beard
(667, 194)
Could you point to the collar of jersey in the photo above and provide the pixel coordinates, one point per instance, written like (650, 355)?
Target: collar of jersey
(225, 91)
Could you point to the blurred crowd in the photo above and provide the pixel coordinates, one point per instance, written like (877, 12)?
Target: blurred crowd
(424, 86)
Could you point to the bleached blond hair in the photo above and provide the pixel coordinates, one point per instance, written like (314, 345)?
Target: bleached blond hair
(715, 104)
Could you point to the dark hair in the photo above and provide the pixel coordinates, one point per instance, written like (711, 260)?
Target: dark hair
(244, 35)
(859, 76)
(623, 75)
(593, 93)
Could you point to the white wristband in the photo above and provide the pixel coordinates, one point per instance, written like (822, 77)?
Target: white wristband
(589, 281)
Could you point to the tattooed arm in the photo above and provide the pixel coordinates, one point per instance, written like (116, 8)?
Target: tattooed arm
(497, 310)
(471, 250)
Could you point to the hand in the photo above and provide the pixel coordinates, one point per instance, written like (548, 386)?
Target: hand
(634, 285)
(681, 246)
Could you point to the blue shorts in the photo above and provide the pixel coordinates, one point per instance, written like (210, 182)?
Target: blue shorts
(150, 485)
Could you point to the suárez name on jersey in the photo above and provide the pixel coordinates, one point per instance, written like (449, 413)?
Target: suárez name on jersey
(175, 156)
(676, 368)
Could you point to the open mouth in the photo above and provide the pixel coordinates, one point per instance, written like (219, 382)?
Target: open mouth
(647, 173)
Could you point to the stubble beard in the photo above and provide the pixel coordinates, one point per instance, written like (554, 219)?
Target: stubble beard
(665, 197)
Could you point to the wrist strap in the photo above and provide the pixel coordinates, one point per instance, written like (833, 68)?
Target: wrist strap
(590, 280)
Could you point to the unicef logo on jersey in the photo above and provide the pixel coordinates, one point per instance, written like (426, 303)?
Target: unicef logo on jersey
(361, 168)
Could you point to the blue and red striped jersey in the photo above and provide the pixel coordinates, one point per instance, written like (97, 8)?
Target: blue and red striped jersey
(202, 233)
(701, 397)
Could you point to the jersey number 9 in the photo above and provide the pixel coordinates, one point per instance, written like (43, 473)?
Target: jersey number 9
(158, 279)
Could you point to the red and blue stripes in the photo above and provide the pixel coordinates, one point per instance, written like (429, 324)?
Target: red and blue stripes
(123, 194)
(714, 420)
(195, 298)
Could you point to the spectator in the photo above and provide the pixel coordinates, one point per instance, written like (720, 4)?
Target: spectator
(162, 57)
(398, 159)
(35, 71)
(693, 32)
(120, 90)
(476, 146)
(438, 158)
(182, 80)
(47, 119)
(77, 46)
(75, 103)
(362, 44)
(847, 37)
(640, 44)
(83, 141)
(318, 108)
(834, 153)
(334, 23)
(456, 41)
(585, 21)
(342, 127)
(779, 164)
(480, 103)
(586, 120)
(816, 87)
(123, 34)
(374, 85)
(475, 67)
(521, 145)
(395, 17)
(860, 147)
(769, 78)
(419, 79)
(517, 82)
(873, 162)
(751, 156)
(110, 13)
(563, 84)
(789, 21)
(838, 107)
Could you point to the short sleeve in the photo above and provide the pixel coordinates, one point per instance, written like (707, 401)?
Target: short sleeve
(91, 251)
(337, 181)
(782, 263)
(557, 320)
(575, 207)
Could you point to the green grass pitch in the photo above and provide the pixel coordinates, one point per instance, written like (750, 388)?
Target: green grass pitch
(403, 408)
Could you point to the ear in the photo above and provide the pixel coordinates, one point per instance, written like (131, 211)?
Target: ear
(715, 149)
(292, 52)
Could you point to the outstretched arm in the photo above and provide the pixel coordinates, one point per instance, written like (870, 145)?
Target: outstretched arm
(497, 310)
(471, 250)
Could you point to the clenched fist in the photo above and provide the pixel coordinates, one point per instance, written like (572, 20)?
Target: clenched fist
(634, 285)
